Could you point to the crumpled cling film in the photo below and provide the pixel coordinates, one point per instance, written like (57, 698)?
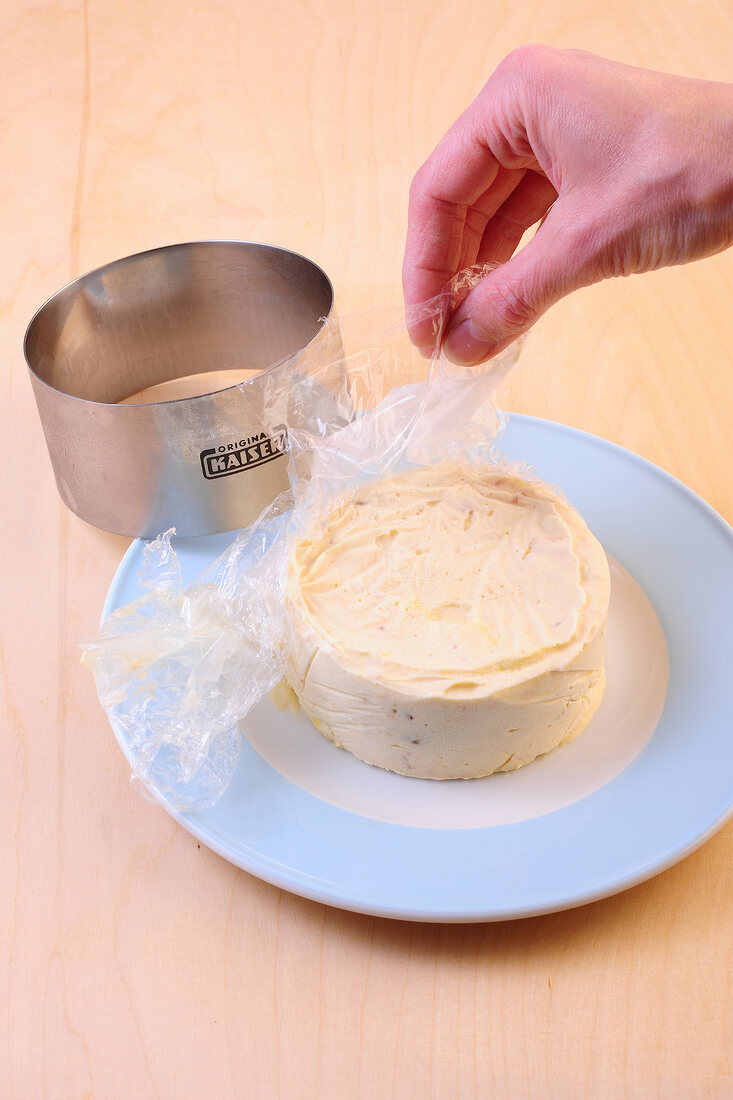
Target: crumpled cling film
(178, 669)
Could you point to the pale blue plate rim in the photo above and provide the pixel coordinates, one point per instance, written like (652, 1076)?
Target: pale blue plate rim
(672, 797)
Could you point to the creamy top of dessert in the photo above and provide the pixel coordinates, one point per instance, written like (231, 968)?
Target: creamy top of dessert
(451, 580)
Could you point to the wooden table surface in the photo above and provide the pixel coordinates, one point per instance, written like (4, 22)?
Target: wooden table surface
(135, 963)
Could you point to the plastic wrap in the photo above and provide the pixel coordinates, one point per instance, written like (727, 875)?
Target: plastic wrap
(178, 669)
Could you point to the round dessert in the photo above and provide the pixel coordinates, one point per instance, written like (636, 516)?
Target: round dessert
(448, 622)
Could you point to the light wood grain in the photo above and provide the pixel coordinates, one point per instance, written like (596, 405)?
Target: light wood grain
(133, 962)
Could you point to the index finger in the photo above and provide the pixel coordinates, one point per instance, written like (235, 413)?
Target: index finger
(453, 178)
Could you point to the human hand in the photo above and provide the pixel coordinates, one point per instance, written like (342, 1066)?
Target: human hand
(628, 170)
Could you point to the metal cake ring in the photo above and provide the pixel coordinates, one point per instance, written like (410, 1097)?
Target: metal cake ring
(200, 464)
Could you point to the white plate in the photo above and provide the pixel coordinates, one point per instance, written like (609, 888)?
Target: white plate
(649, 780)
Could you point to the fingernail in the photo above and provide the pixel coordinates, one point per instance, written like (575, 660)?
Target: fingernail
(466, 345)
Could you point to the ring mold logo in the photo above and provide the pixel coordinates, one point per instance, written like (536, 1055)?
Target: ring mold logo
(245, 454)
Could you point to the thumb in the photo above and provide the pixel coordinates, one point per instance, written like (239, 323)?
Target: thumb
(509, 300)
